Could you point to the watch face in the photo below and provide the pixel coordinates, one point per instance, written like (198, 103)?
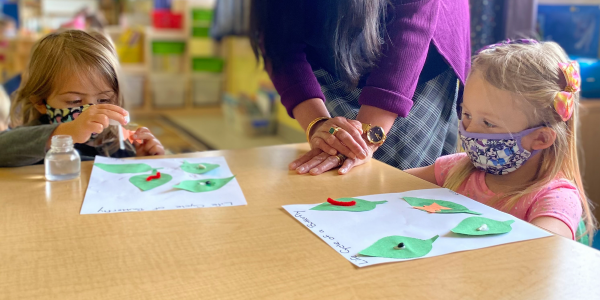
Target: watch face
(376, 134)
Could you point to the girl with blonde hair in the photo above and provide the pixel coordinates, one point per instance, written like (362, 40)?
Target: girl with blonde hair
(71, 87)
(519, 132)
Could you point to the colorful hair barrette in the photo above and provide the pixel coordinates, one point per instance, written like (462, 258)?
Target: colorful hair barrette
(565, 100)
(508, 42)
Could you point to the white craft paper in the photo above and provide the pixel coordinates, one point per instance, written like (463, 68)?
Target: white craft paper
(112, 193)
(348, 233)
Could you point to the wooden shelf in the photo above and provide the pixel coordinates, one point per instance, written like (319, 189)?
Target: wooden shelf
(134, 69)
(166, 34)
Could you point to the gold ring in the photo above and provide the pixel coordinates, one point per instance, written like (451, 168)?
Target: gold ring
(333, 130)
(341, 158)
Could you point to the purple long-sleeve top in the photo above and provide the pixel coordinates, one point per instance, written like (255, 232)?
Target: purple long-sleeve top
(417, 25)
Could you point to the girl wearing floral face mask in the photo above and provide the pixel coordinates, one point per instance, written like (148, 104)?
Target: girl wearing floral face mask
(71, 87)
(518, 131)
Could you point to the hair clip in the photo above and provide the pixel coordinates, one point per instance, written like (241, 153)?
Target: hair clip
(508, 42)
(565, 100)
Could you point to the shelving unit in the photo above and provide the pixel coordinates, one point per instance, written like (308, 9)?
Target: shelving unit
(151, 77)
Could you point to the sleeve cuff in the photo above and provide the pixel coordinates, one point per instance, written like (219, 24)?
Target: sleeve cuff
(386, 100)
(561, 218)
(299, 93)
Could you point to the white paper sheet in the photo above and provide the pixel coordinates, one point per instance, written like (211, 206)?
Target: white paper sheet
(348, 233)
(112, 193)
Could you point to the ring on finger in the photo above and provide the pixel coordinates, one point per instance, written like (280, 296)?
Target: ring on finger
(333, 130)
(341, 158)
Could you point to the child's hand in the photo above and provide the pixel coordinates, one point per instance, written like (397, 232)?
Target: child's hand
(92, 120)
(149, 145)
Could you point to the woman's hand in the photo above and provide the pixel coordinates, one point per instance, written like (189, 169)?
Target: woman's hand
(317, 162)
(92, 120)
(150, 145)
(347, 140)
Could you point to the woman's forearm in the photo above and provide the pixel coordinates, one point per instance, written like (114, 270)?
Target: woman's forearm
(376, 116)
(309, 110)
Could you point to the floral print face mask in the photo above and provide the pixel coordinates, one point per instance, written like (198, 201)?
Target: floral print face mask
(496, 153)
(64, 115)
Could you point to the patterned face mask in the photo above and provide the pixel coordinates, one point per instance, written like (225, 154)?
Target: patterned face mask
(64, 115)
(496, 153)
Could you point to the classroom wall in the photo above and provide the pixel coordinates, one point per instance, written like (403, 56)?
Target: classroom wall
(569, 2)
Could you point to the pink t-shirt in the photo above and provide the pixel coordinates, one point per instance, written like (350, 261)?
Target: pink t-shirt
(559, 199)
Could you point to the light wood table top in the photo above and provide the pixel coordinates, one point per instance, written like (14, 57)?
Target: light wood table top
(49, 251)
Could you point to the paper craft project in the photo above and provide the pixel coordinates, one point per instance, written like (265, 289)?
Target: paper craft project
(203, 185)
(361, 205)
(124, 168)
(198, 168)
(358, 236)
(112, 188)
(147, 182)
(399, 247)
(438, 206)
(482, 226)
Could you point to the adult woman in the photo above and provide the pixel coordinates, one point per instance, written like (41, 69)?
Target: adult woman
(383, 67)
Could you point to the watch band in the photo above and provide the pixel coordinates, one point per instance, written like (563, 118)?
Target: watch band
(366, 127)
(311, 124)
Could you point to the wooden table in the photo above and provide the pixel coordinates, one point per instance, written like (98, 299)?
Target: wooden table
(49, 251)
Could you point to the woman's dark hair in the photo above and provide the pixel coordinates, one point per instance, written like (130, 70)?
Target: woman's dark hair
(357, 32)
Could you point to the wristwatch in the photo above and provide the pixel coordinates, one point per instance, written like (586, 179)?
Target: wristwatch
(375, 134)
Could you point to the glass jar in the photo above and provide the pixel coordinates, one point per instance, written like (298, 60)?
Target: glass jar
(62, 161)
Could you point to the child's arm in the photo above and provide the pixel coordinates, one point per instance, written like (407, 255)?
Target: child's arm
(425, 173)
(553, 225)
(24, 146)
(27, 145)
(150, 145)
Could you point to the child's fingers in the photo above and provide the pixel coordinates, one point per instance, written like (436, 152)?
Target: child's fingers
(102, 120)
(94, 127)
(143, 134)
(111, 107)
(153, 147)
(157, 149)
(112, 115)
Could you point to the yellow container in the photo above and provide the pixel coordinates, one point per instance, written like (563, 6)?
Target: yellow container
(202, 47)
(130, 46)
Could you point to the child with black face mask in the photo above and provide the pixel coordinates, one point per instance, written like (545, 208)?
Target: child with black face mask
(71, 87)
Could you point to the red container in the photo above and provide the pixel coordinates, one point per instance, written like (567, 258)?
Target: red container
(166, 19)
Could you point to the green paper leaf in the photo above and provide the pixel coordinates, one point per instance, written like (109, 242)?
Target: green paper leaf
(124, 168)
(361, 205)
(454, 207)
(194, 169)
(144, 185)
(196, 186)
(469, 226)
(413, 247)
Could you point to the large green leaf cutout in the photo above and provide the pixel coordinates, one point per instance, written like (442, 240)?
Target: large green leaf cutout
(145, 185)
(470, 225)
(204, 185)
(453, 207)
(195, 168)
(124, 168)
(361, 205)
(387, 247)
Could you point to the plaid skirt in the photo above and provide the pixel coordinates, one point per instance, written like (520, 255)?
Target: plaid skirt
(429, 131)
